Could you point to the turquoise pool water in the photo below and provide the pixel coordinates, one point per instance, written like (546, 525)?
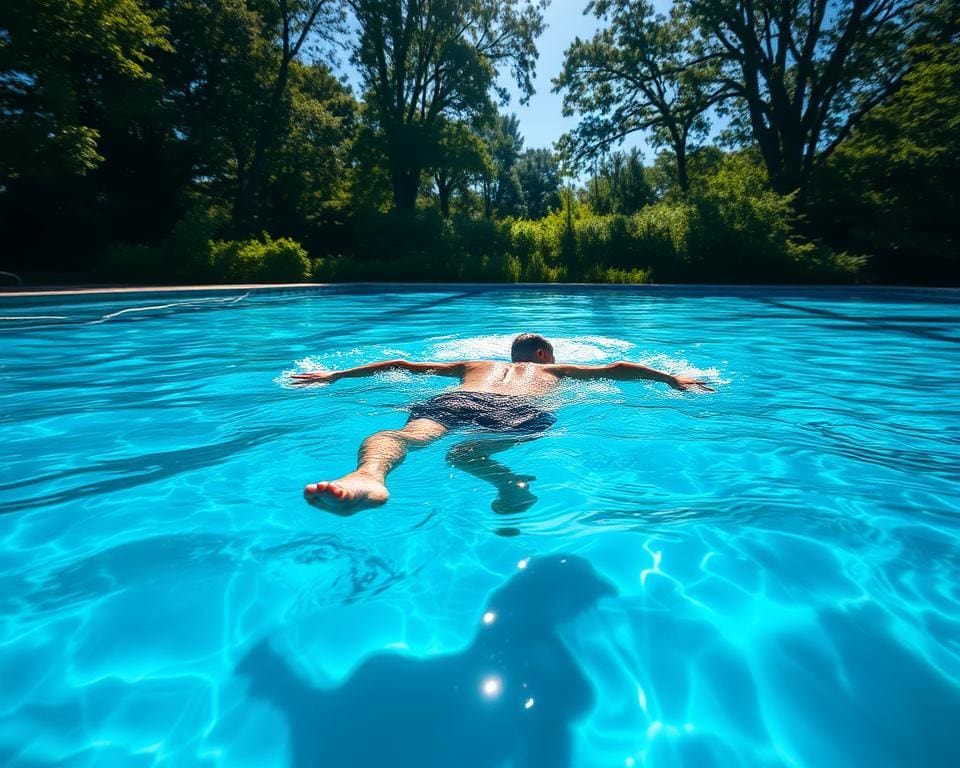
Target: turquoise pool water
(765, 576)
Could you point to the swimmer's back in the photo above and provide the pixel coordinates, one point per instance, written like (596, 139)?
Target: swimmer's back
(518, 379)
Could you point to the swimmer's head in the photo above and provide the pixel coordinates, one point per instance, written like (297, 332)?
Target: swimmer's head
(531, 348)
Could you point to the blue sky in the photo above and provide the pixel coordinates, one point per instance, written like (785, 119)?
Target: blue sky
(542, 121)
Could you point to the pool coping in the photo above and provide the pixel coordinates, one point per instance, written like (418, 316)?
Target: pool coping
(97, 292)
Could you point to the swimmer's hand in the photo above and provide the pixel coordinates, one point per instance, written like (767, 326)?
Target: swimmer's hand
(317, 377)
(688, 384)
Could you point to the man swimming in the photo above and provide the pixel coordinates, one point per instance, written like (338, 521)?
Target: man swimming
(493, 396)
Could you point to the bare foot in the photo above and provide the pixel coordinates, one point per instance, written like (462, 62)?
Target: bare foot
(347, 495)
(514, 496)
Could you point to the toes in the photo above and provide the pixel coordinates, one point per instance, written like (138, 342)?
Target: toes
(317, 491)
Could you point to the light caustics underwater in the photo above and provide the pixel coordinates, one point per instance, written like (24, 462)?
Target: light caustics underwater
(764, 576)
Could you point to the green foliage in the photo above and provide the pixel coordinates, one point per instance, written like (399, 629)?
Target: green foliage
(442, 64)
(796, 78)
(155, 140)
(639, 73)
(259, 261)
(500, 185)
(538, 174)
(196, 253)
(619, 184)
(461, 156)
(56, 61)
(749, 226)
(892, 191)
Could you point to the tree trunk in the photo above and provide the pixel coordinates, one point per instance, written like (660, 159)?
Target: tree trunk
(406, 184)
(683, 179)
(444, 190)
(266, 136)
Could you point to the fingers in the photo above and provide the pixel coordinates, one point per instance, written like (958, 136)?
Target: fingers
(694, 385)
(307, 378)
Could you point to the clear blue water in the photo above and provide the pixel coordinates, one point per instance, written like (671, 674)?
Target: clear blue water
(765, 576)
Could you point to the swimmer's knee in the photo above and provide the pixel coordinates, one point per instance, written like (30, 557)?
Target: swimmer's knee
(464, 452)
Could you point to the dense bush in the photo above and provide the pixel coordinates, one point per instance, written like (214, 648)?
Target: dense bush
(194, 253)
(267, 261)
(731, 227)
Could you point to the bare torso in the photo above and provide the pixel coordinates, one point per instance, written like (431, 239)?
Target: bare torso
(518, 379)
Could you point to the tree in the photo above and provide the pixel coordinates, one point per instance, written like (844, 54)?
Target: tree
(802, 75)
(538, 171)
(619, 184)
(500, 187)
(460, 155)
(231, 90)
(637, 74)
(424, 60)
(53, 59)
(891, 191)
(291, 23)
(310, 164)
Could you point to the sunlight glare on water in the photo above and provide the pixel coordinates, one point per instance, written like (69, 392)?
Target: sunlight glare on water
(762, 576)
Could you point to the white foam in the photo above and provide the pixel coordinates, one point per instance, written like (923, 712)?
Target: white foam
(577, 349)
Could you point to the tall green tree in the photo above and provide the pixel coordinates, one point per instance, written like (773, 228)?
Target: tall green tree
(538, 171)
(637, 74)
(461, 155)
(499, 186)
(310, 166)
(422, 61)
(290, 24)
(802, 75)
(232, 90)
(54, 59)
(619, 184)
(891, 191)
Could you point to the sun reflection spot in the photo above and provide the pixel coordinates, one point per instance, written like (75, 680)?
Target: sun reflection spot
(489, 617)
(528, 704)
(641, 698)
(492, 687)
(629, 762)
(523, 563)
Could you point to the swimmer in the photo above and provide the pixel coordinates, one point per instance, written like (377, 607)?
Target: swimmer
(495, 397)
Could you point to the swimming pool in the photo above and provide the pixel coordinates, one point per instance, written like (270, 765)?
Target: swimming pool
(763, 576)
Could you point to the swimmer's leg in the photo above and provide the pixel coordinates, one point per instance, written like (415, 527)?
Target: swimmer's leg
(513, 490)
(379, 454)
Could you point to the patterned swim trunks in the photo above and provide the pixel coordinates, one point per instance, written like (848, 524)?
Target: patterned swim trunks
(487, 410)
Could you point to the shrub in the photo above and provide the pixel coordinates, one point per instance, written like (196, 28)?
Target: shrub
(664, 235)
(746, 229)
(271, 261)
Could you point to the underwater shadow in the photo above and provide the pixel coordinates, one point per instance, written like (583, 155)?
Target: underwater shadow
(134, 470)
(896, 325)
(509, 698)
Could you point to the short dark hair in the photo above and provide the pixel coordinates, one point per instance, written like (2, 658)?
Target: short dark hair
(525, 346)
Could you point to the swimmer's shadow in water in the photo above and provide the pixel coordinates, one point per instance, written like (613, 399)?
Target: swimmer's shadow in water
(510, 697)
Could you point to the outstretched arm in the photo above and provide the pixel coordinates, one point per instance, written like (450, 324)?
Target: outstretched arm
(440, 369)
(624, 371)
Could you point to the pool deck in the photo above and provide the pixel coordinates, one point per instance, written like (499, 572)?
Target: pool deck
(92, 293)
(13, 291)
